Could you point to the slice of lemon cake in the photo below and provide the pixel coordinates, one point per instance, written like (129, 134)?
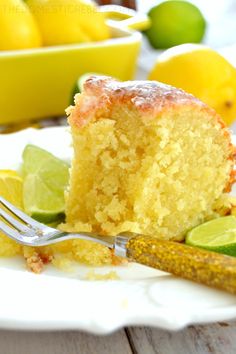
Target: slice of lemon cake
(148, 158)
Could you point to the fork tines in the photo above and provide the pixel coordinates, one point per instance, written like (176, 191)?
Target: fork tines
(19, 214)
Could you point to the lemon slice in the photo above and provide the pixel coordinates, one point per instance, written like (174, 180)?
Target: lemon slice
(45, 181)
(218, 235)
(11, 187)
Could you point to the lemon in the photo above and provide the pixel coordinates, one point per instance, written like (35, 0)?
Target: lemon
(69, 21)
(45, 180)
(175, 22)
(218, 235)
(11, 188)
(18, 28)
(202, 72)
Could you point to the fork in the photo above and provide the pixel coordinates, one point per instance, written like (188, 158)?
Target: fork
(201, 266)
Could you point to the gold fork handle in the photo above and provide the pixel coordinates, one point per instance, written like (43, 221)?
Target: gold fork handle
(201, 266)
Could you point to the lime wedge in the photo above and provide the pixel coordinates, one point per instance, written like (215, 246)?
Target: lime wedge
(218, 235)
(45, 180)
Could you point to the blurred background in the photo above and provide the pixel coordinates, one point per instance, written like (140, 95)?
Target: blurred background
(220, 32)
(49, 47)
(220, 16)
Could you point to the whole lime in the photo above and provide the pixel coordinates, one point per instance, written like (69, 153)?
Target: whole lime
(175, 22)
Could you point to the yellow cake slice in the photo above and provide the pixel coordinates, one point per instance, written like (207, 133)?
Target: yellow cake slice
(148, 158)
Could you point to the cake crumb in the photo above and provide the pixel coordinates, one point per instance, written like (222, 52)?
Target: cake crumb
(36, 259)
(35, 263)
(63, 262)
(92, 275)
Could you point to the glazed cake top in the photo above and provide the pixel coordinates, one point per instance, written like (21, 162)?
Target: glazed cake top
(150, 98)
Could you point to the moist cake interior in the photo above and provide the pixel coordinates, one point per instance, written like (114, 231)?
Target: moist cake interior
(157, 176)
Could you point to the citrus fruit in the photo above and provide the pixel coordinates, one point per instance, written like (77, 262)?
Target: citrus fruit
(202, 72)
(175, 22)
(45, 180)
(69, 21)
(218, 235)
(11, 187)
(18, 27)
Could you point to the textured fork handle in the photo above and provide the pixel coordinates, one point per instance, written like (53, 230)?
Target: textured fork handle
(201, 266)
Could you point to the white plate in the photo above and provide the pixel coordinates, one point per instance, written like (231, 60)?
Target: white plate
(55, 300)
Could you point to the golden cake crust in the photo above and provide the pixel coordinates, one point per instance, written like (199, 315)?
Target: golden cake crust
(149, 98)
(148, 158)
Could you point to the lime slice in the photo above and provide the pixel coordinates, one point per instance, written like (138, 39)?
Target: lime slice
(175, 22)
(218, 235)
(45, 180)
(78, 88)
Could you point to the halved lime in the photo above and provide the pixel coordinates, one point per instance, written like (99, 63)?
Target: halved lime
(45, 180)
(218, 235)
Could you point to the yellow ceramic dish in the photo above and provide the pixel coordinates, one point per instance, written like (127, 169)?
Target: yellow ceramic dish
(38, 83)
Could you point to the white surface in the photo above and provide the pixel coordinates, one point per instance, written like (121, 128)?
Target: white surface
(56, 300)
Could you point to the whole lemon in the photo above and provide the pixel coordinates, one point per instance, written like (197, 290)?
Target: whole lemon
(175, 22)
(17, 26)
(202, 72)
(69, 21)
